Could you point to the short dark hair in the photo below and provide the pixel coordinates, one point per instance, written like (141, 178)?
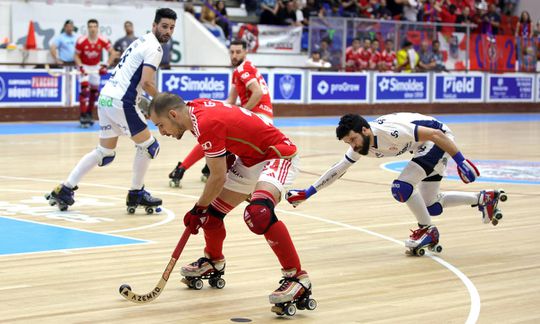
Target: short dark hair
(164, 13)
(165, 101)
(435, 41)
(92, 21)
(239, 42)
(350, 122)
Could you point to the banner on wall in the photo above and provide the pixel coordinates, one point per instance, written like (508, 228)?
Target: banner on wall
(492, 53)
(31, 88)
(196, 84)
(49, 19)
(538, 88)
(288, 87)
(328, 87)
(510, 88)
(270, 38)
(404, 88)
(458, 87)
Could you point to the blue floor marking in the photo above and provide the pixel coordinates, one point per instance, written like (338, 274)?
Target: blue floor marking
(22, 236)
(73, 126)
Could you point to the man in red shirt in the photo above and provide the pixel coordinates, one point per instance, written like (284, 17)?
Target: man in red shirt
(266, 164)
(250, 86)
(365, 55)
(88, 51)
(388, 57)
(351, 56)
(375, 55)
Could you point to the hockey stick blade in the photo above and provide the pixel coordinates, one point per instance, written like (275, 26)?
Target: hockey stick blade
(125, 290)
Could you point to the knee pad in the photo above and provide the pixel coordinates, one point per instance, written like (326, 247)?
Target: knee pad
(435, 209)
(402, 190)
(152, 149)
(259, 216)
(105, 156)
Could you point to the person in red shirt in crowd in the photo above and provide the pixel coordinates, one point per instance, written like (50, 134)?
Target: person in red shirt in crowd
(88, 51)
(429, 14)
(364, 55)
(250, 86)
(524, 38)
(447, 15)
(352, 54)
(524, 26)
(375, 55)
(388, 57)
(266, 164)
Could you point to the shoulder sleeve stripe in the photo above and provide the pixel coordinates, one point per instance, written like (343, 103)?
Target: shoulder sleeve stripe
(349, 159)
(216, 154)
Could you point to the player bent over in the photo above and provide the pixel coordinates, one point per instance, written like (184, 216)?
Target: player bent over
(119, 115)
(432, 144)
(266, 163)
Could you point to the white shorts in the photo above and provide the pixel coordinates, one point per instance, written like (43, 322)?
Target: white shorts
(92, 76)
(433, 159)
(279, 172)
(117, 118)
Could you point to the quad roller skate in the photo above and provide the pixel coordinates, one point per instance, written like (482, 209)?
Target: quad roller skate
(136, 198)
(488, 201)
(294, 293)
(205, 173)
(204, 268)
(176, 175)
(62, 197)
(86, 120)
(422, 239)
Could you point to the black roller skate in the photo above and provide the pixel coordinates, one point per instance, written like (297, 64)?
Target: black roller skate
(204, 268)
(294, 293)
(62, 197)
(89, 120)
(176, 175)
(422, 239)
(136, 198)
(205, 173)
(488, 200)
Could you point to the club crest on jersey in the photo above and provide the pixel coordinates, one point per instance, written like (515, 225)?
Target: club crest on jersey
(206, 145)
(286, 86)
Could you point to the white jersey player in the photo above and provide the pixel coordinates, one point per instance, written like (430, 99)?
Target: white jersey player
(119, 115)
(432, 144)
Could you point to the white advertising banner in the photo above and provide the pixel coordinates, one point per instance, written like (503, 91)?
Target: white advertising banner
(270, 39)
(49, 19)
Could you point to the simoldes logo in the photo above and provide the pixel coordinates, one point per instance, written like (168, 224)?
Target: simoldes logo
(394, 85)
(459, 85)
(3, 89)
(185, 83)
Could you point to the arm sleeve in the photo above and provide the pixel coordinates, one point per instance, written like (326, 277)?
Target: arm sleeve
(336, 171)
(248, 75)
(212, 138)
(153, 55)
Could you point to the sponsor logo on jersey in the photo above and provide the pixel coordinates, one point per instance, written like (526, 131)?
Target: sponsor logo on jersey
(286, 86)
(206, 145)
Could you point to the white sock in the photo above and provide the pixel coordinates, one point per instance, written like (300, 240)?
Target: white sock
(87, 163)
(418, 207)
(141, 164)
(458, 198)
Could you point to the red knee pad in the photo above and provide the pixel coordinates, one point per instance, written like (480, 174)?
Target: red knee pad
(259, 216)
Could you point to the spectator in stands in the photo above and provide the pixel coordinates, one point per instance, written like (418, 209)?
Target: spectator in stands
(381, 11)
(316, 61)
(324, 49)
(63, 46)
(287, 13)
(352, 54)
(350, 8)
(388, 57)
(410, 10)
(438, 56)
(364, 56)
(312, 8)
(188, 7)
(491, 21)
(269, 12)
(375, 55)
(208, 19)
(447, 15)
(524, 26)
(251, 7)
(427, 61)
(407, 58)
(123, 43)
(364, 8)
(299, 13)
(427, 12)
(207, 14)
(528, 62)
(464, 19)
(223, 20)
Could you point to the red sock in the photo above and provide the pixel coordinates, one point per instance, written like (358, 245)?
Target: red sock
(93, 96)
(214, 229)
(83, 99)
(280, 241)
(195, 155)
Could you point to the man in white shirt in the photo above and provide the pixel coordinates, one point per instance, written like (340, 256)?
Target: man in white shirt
(316, 61)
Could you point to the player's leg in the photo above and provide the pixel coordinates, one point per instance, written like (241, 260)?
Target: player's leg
(94, 80)
(84, 94)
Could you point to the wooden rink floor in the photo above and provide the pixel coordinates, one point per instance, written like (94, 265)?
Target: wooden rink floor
(348, 238)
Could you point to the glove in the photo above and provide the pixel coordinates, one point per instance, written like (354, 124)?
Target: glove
(195, 218)
(466, 169)
(103, 70)
(82, 70)
(144, 105)
(296, 197)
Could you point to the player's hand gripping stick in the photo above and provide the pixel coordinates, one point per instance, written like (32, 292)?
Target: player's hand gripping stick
(195, 218)
(466, 169)
(296, 197)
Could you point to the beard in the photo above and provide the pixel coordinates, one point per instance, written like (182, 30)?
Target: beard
(237, 62)
(364, 150)
(162, 38)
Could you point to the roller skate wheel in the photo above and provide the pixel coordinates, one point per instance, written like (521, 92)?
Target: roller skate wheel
(437, 248)
(220, 283)
(204, 178)
(149, 210)
(278, 310)
(197, 284)
(498, 215)
(158, 209)
(290, 310)
(421, 252)
(301, 304)
(311, 304)
(494, 222)
(502, 195)
(62, 207)
(131, 210)
(174, 184)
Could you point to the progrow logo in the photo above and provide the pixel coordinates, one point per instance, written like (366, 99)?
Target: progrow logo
(338, 87)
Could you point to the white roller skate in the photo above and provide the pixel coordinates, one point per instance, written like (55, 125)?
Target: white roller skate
(488, 200)
(136, 198)
(294, 292)
(423, 238)
(204, 268)
(61, 196)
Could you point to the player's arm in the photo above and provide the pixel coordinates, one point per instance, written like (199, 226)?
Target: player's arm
(54, 52)
(466, 169)
(112, 56)
(77, 59)
(296, 197)
(256, 94)
(233, 96)
(216, 180)
(148, 80)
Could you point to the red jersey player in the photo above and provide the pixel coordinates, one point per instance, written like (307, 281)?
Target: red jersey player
(375, 55)
(266, 163)
(364, 55)
(250, 86)
(88, 50)
(388, 57)
(352, 55)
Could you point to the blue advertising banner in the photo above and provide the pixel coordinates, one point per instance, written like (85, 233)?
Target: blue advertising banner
(288, 87)
(538, 88)
(458, 87)
(404, 88)
(76, 87)
(331, 87)
(31, 88)
(511, 87)
(196, 84)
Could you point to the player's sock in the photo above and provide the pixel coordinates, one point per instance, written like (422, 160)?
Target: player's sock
(458, 198)
(141, 162)
(94, 93)
(214, 229)
(418, 207)
(281, 243)
(195, 155)
(87, 163)
(83, 98)
(263, 194)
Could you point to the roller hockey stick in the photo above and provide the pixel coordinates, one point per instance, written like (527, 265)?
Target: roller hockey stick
(59, 73)
(125, 290)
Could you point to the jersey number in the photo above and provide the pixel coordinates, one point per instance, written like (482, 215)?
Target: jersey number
(122, 61)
